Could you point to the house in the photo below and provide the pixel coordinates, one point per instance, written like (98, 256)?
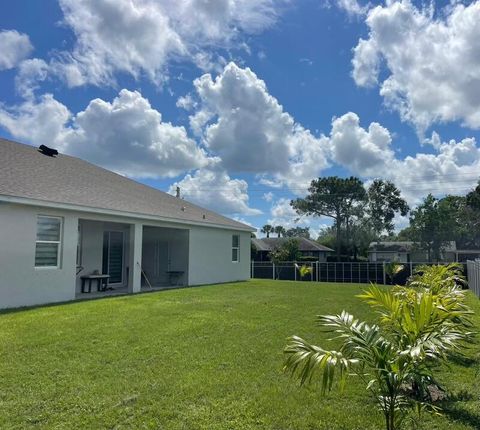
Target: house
(306, 247)
(63, 219)
(406, 251)
(463, 255)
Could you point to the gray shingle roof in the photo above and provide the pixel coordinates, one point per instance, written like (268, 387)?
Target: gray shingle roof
(270, 243)
(26, 173)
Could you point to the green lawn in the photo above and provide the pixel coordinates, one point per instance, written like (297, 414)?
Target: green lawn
(198, 358)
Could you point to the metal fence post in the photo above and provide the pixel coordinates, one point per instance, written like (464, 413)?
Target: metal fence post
(318, 263)
(273, 270)
(295, 269)
(411, 268)
(384, 275)
(311, 272)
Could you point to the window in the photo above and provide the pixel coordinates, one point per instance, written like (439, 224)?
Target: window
(235, 248)
(48, 243)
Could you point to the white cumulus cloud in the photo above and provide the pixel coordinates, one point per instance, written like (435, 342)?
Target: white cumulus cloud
(249, 130)
(14, 47)
(215, 189)
(453, 168)
(30, 74)
(41, 121)
(352, 7)
(143, 37)
(431, 61)
(364, 152)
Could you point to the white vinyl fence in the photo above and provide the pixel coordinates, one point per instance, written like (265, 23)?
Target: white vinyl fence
(473, 270)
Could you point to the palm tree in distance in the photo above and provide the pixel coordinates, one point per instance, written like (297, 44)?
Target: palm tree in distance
(267, 229)
(280, 230)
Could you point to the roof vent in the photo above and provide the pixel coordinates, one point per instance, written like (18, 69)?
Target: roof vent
(45, 150)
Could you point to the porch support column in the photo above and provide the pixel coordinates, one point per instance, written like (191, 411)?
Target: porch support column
(135, 274)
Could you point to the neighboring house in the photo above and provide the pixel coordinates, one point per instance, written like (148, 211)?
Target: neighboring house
(62, 218)
(462, 255)
(406, 251)
(306, 247)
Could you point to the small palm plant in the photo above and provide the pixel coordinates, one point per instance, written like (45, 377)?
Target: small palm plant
(392, 269)
(303, 270)
(395, 358)
(447, 276)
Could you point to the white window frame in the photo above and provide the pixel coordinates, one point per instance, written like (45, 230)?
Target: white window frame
(58, 242)
(237, 248)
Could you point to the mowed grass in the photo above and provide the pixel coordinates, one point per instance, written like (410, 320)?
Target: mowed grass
(199, 358)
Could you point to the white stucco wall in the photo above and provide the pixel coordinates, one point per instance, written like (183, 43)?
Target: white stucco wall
(210, 256)
(21, 284)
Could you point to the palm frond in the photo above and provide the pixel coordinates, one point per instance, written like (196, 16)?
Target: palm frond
(305, 360)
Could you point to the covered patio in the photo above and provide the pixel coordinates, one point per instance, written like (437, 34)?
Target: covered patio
(119, 258)
(164, 257)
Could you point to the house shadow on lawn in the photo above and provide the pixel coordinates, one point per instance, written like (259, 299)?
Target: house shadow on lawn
(456, 413)
(93, 298)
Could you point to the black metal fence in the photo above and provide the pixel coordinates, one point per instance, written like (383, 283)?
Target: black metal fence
(349, 272)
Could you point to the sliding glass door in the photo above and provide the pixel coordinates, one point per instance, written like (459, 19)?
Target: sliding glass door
(113, 252)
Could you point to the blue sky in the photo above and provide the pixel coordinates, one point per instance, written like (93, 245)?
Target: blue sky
(241, 103)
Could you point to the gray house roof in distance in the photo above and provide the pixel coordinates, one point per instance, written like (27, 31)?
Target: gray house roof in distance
(270, 243)
(27, 173)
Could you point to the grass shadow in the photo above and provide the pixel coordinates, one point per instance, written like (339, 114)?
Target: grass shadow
(463, 360)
